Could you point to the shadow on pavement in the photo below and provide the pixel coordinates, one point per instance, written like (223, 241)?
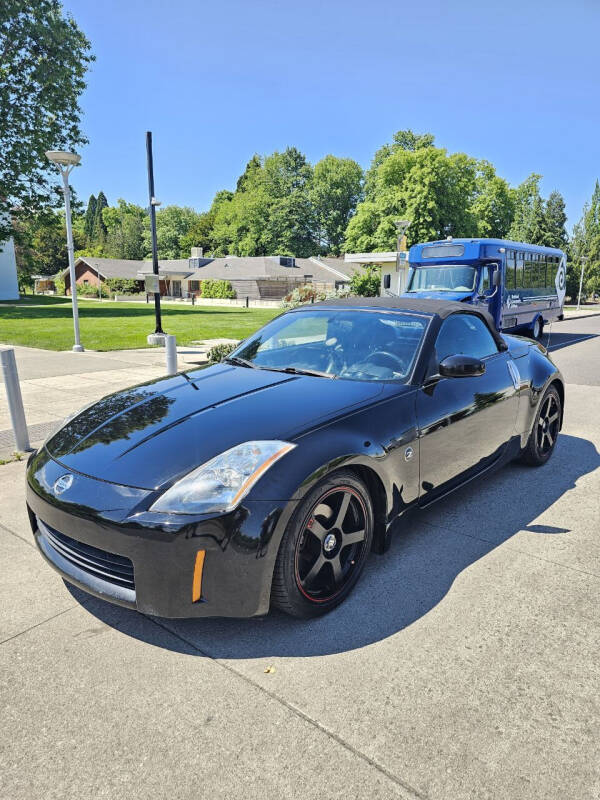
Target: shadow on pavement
(556, 340)
(430, 549)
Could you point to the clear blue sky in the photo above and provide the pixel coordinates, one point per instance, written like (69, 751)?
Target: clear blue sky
(516, 82)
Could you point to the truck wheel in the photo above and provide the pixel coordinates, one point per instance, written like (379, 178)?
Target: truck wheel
(537, 327)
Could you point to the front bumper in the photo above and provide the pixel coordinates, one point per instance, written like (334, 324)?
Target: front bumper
(99, 537)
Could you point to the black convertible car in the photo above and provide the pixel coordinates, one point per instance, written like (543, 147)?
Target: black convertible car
(270, 477)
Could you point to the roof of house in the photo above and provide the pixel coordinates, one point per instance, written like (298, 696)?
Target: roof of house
(168, 266)
(269, 267)
(111, 267)
(324, 270)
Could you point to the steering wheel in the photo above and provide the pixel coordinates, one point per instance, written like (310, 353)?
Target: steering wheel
(390, 356)
(336, 359)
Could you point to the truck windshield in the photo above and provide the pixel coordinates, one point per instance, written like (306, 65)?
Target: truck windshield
(443, 278)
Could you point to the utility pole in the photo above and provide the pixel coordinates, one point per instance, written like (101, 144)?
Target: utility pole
(583, 259)
(158, 336)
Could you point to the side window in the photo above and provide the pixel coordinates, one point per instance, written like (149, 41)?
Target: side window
(520, 277)
(464, 334)
(509, 276)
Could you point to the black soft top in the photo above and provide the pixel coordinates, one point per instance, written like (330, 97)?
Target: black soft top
(422, 305)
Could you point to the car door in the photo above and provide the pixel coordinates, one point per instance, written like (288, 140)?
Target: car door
(464, 424)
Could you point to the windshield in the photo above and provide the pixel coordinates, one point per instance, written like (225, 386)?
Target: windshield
(443, 278)
(363, 345)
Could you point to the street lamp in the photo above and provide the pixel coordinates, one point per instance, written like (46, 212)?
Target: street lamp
(583, 259)
(65, 162)
(401, 227)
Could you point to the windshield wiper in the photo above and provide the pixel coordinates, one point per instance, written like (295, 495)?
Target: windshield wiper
(300, 371)
(240, 362)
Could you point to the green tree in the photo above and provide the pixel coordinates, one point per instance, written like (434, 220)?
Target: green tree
(125, 226)
(246, 178)
(493, 203)
(586, 242)
(99, 226)
(528, 223)
(173, 225)
(41, 243)
(271, 213)
(201, 232)
(402, 140)
(44, 57)
(335, 191)
(432, 189)
(555, 220)
(90, 214)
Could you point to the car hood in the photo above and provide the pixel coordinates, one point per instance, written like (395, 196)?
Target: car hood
(458, 296)
(153, 433)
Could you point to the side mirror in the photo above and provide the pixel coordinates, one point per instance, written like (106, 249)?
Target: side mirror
(497, 279)
(461, 366)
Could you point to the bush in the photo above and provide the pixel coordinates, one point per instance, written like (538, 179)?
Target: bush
(216, 288)
(366, 283)
(123, 285)
(89, 290)
(220, 351)
(308, 294)
(59, 285)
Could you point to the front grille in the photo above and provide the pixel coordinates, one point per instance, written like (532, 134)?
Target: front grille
(107, 566)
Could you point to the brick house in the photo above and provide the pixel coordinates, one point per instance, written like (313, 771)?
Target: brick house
(255, 277)
(94, 271)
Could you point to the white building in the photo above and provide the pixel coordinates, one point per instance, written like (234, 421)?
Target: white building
(394, 268)
(9, 287)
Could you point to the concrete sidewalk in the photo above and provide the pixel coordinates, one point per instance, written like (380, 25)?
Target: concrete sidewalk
(584, 311)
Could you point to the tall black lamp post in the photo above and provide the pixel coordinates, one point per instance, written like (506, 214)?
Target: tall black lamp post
(158, 336)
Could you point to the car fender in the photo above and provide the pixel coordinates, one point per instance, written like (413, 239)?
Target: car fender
(379, 443)
(542, 372)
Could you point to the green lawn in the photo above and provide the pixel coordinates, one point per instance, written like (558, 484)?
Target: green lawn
(45, 321)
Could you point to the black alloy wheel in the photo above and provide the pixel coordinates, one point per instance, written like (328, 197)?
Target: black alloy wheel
(548, 424)
(325, 547)
(542, 440)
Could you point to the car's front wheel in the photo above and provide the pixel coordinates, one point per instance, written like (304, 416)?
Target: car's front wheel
(325, 547)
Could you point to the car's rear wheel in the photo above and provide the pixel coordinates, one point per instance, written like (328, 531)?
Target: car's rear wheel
(543, 436)
(325, 547)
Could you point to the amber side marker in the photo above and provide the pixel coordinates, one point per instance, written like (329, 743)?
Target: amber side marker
(197, 582)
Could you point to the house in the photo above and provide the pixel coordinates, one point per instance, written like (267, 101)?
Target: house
(268, 277)
(255, 277)
(44, 284)
(94, 271)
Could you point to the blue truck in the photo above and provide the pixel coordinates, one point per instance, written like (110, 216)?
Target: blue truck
(521, 285)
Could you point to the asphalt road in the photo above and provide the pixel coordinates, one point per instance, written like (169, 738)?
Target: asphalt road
(465, 665)
(575, 348)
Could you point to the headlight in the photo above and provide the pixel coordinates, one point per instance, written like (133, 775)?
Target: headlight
(222, 482)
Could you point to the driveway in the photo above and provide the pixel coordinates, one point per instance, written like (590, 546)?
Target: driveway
(465, 664)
